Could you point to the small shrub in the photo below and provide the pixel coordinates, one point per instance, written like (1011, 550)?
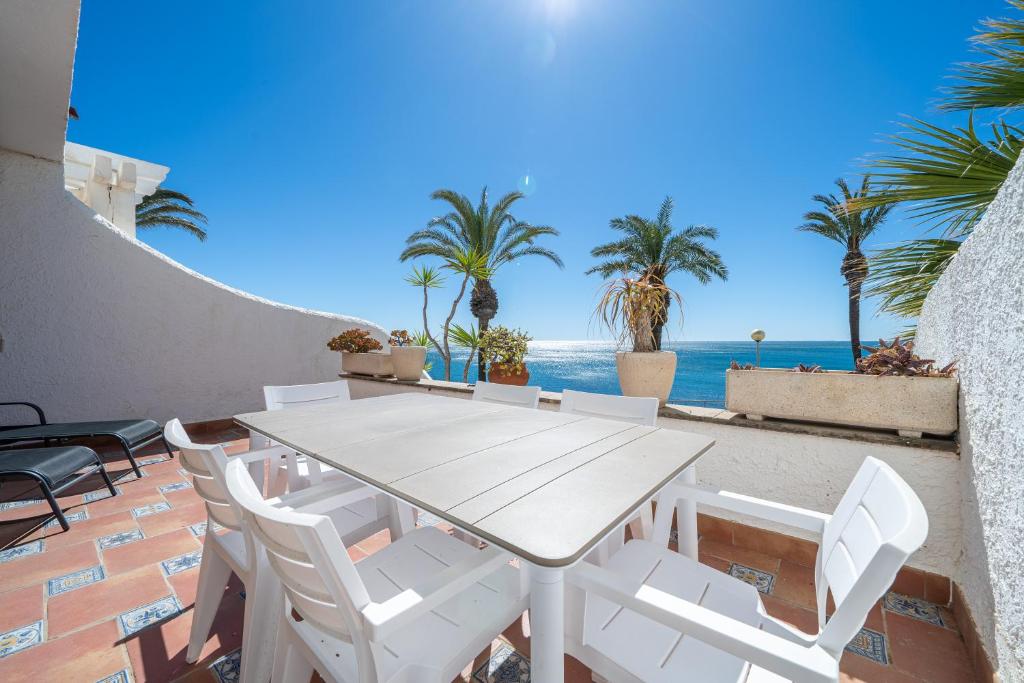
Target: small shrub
(746, 366)
(502, 346)
(898, 359)
(807, 368)
(354, 341)
(400, 338)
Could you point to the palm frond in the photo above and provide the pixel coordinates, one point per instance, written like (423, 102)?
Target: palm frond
(998, 81)
(167, 208)
(901, 276)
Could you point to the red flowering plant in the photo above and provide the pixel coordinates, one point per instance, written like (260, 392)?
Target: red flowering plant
(354, 341)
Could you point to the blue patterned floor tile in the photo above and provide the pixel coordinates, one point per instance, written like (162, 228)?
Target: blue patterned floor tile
(20, 639)
(182, 563)
(505, 666)
(177, 486)
(24, 550)
(914, 608)
(122, 676)
(870, 644)
(69, 582)
(15, 504)
(79, 516)
(139, 618)
(150, 509)
(150, 461)
(228, 668)
(183, 472)
(762, 581)
(114, 540)
(93, 496)
(199, 529)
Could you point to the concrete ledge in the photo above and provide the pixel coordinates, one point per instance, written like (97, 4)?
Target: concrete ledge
(719, 416)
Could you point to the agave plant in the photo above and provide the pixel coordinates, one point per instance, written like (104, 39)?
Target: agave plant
(807, 368)
(745, 366)
(898, 359)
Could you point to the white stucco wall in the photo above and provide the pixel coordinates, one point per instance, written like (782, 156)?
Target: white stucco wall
(806, 470)
(95, 324)
(975, 315)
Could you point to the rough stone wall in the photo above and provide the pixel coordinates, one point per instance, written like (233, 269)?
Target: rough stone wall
(975, 315)
(94, 324)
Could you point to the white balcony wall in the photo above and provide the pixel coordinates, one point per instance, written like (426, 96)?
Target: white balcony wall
(97, 325)
(975, 315)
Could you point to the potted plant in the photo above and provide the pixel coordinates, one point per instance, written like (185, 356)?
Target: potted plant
(893, 388)
(360, 353)
(504, 350)
(407, 357)
(630, 308)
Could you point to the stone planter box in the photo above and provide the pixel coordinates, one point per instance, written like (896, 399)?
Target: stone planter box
(374, 363)
(910, 405)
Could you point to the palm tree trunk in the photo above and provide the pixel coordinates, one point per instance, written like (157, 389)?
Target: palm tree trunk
(481, 368)
(855, 321)
(659, 324)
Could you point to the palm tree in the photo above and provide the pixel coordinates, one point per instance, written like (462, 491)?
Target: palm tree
(837, 221)
(465, 339)
(492, 232)
(169, 209)
(653, 249)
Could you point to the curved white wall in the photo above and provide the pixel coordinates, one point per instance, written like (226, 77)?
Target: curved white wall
(975, 315)
(94, 324)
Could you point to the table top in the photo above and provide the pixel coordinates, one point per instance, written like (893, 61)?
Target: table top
(546, 486)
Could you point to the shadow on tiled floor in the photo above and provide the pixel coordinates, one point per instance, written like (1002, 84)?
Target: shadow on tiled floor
(111, 599)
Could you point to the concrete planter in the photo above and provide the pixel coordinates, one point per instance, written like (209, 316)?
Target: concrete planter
(408, 361)
(910, 405)
(646, 374)
(374, 363)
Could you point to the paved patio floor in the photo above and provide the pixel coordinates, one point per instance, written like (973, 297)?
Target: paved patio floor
(111, 599)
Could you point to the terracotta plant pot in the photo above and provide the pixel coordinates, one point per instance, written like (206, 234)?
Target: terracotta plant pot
(373, 363)
(408, 361)
(501, 374)
(646, 373)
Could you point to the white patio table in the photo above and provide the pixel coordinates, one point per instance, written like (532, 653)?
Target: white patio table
(545, 486)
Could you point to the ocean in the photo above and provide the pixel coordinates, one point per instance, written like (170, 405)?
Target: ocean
(700, 370)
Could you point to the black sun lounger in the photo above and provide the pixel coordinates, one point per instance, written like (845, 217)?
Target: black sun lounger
(131, 434)
(54, 469)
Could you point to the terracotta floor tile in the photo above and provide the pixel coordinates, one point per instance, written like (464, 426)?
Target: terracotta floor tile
(34, 569)
(777, 545)
(158, 653)
(744, 556)
(89, 655)
(715, 528)
(149, 551)
(183, 498)
(856, 669)
(712, 561)
(89, 529)
(356, 554)
(375, 542)
(804, 619)
(177, 518)
(795, 583)
(910, 582)
(129, 498)
(21, 607)
(185, 585)
(104, 599)
(931, 652)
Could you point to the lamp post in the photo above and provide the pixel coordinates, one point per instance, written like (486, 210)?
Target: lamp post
(758, 337)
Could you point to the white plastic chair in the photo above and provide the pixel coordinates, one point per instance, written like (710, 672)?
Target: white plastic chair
(507, 394)
(656, 616)
(636, 409)
(235, 551)
(415, 611)
(302, 471)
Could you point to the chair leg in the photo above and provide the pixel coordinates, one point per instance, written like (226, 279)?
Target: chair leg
(214, 573)
(170, 453)
(53, 506)
(264, 602)
(290, 665)
(106, 479)
(131, 458)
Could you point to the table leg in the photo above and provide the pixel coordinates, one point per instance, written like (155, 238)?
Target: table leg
(686, 517)
(547, 625)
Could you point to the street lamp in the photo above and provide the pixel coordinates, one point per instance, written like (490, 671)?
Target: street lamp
(758, 337)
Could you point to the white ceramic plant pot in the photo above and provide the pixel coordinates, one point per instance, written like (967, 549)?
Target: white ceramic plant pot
(646, 373)
(910, 405)
(408, 361)
(374, 363)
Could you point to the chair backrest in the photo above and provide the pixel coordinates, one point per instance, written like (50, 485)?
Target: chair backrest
(636, 409)
(526, 397)
(281, 397)
(206, 464)
(306, 553)
(878, 524)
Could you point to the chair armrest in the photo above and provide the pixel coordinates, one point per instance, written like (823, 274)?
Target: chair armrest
(808, 520)
(783, 657)
(381, 619)
(33, 406)
(324, 497)
(262, 454)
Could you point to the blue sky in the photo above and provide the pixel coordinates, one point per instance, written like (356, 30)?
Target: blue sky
(312, 134)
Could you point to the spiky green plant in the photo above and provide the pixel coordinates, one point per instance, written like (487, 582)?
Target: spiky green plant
(849, 227)
(652, 250)
(169, 209)
(467, 339)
